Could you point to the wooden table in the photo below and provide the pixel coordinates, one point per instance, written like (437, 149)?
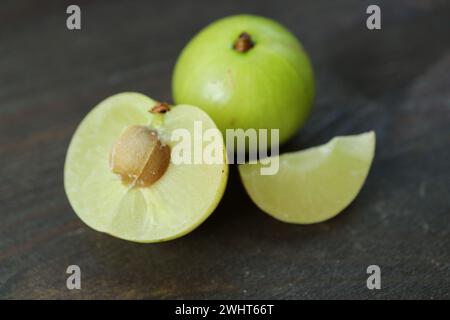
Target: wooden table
(395, 81)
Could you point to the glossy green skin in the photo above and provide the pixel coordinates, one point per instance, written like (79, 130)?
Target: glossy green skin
(270, 86)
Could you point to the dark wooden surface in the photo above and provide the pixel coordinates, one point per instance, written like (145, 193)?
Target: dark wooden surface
(395, 81)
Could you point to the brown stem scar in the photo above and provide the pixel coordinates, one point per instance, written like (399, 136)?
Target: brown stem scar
(243, 43)
(160, 107)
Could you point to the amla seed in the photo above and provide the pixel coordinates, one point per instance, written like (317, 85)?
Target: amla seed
(138, 156)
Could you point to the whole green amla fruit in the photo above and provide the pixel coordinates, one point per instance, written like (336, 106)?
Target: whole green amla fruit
(246, 72)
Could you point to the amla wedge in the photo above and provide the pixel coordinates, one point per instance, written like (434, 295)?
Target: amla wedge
(119, 178)
(312, 185)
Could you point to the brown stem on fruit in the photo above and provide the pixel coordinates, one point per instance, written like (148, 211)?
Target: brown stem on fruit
(243, 43)
(160, 107)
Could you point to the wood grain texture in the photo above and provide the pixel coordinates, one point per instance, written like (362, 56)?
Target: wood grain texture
(395, 81)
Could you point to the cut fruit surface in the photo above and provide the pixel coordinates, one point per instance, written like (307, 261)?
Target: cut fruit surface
(312, 185)
(165, 200)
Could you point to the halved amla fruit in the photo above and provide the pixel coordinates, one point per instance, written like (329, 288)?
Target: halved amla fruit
(312, 185)
(120, 178)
